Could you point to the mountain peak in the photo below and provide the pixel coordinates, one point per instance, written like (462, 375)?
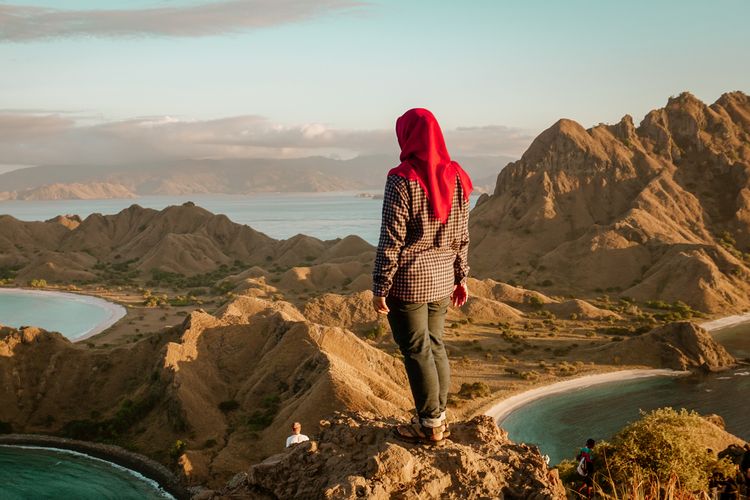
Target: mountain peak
(639, 209)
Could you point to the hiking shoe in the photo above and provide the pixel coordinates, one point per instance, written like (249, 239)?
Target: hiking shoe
(417, 433)
(446, 430)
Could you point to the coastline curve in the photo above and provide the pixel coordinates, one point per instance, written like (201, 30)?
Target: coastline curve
(110, 453)
(115, 312)
(501, 410)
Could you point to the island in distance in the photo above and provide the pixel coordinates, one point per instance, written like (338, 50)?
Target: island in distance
(245, 176)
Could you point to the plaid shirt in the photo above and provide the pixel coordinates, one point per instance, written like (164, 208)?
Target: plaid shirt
(418, 258)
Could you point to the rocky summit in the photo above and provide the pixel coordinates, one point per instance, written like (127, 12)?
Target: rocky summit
(356, 456)
(658, 211)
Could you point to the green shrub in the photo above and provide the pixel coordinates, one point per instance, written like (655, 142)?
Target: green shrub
(5, 427)
(8, 272)
(659, 447)
(38, 283)
(227, 406)
(263, 417)
(474, 390)
(177, 449)
(129, 413)
(535, 302)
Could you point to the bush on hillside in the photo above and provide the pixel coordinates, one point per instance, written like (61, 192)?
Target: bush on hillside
(658, 451)
(474, 390)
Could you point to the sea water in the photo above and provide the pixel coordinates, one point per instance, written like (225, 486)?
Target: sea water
(280, 215)
(45, 473)
(74, 316)
(560, 424)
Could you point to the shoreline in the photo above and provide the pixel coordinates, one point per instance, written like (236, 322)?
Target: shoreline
(114, 454)
(115, 312)
(725, 322)
(501, 410)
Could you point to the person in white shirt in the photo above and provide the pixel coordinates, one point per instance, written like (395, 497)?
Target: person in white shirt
(297, 436)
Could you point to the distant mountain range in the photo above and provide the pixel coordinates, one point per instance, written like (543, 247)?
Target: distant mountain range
(312, 174)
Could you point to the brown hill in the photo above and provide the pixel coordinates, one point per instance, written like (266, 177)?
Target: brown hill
(661, 211)
(679, 346)
(353, 311)
(503, 292)
(229, 386)
(579, 309)
(355, 457)
(186, 240)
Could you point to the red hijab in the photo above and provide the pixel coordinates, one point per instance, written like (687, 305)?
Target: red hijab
(425, 159)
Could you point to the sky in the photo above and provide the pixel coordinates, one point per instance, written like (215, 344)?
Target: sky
(102, 81)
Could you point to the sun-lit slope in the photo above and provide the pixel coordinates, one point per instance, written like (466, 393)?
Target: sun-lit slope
(661, 211)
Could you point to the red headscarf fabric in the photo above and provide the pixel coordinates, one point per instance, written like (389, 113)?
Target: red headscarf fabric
(425, 159)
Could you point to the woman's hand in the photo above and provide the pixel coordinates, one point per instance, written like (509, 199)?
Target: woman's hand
(459, 295)
(378, 303)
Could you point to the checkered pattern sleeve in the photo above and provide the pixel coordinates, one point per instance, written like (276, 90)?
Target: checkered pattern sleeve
(392, 234)
(461, 264)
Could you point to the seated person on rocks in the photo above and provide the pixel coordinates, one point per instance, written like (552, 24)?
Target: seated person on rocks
(297, 436)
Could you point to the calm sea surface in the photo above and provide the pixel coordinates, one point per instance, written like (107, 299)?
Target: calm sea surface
(72, 315)
(280, 215)
(560, 424)
(44, 473)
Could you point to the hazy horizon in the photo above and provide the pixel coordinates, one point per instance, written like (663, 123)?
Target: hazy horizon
(92, 82)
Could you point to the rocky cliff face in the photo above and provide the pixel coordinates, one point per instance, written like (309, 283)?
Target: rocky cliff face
(661, 210)
(355, 456)
(679, 346)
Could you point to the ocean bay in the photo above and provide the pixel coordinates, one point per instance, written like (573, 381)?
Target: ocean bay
(35, 472)
(599, 411)
(75, 316)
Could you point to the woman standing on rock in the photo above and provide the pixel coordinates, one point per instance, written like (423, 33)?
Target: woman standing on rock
(421, 263)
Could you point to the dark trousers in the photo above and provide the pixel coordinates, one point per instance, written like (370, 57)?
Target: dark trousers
(418, 330)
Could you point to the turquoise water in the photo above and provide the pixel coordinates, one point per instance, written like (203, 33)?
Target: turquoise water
(560, 424)
(72, 315)
(44, 473)
(280, 215)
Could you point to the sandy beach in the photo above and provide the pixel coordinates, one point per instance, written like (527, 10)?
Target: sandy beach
(725, 322)
(501, 410)
(114, 311)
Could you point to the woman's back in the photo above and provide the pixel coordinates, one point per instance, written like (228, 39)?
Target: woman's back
(429, 256)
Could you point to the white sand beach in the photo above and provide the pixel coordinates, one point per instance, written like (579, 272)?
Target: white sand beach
(725, 322)
(501, 410)
(114, 311)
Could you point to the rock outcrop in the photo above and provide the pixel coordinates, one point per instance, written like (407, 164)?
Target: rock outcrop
(659, 211)
(356, 456)
(679, 346)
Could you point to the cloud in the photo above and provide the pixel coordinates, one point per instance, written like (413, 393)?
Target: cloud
(20, 23)
(52, 139)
